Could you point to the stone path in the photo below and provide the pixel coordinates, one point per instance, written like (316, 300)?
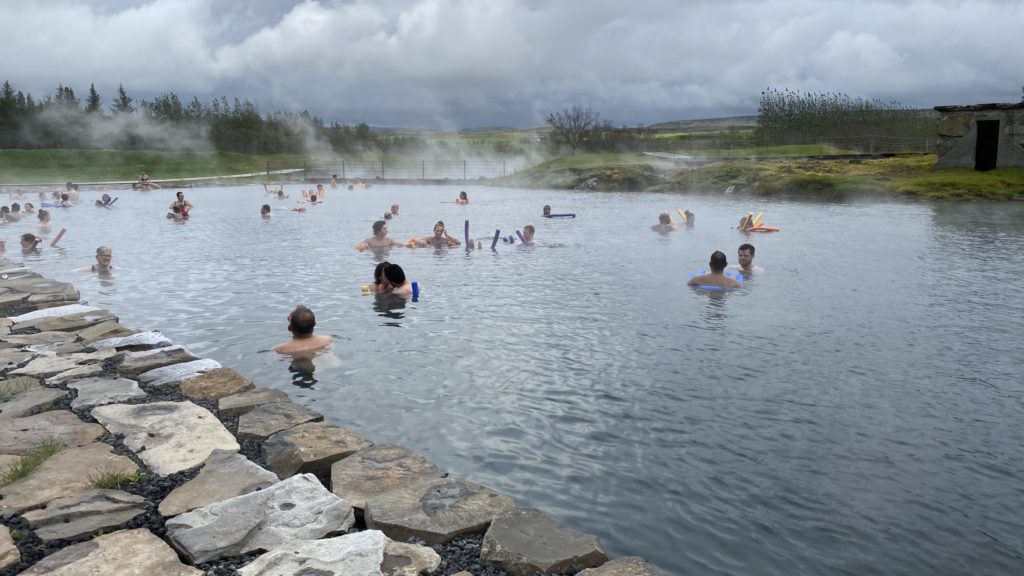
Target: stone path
(123, 453)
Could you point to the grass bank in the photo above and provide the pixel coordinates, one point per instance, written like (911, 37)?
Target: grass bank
(826, 179)
(54, 166)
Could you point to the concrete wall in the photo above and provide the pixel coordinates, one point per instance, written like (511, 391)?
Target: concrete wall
(958, 135)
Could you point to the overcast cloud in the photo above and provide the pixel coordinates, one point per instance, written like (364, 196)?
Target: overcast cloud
(469, 63)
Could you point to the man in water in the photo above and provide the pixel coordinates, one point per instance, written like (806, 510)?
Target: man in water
(380, 238)
(301, 322)
(394, 209)
(265, 211)
(717, 276)
(528, 232)
(395, 276)
(690, 218)
(664, 224)
(745, 255)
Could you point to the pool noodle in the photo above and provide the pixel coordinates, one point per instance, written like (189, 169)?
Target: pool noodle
(520, 234)
(415, 291)
(467, 235)
(111, 203)
(59, 236)
(682, 214)
(495, 241)
(757, 220)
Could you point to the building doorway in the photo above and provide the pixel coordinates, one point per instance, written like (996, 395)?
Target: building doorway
(987, 148)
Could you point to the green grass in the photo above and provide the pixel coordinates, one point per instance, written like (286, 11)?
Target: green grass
(55, 166)
(9, 389)
(113, 480)
(29, 462)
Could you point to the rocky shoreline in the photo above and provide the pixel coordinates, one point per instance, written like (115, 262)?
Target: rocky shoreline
(122, 453)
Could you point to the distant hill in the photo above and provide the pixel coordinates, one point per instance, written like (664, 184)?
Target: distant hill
(706, 124)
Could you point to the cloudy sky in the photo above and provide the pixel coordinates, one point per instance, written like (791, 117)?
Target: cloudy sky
(473, 63)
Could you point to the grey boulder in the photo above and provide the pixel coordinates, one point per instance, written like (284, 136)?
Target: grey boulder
(525, 542)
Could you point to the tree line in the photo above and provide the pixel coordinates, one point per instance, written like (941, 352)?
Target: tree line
(793, 117)
(63, 120)
(580, 128)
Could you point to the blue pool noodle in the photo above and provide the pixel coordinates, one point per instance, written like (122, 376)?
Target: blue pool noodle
(415, 291)
(495, 241)
(520, 234)
(467, 235)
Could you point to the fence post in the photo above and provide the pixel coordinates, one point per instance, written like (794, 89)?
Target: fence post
(463, 169)
(343, 170)
(423, 169)
(503, 168)
(305, 170)
(872, 144)
(268, 169)
(381, 168)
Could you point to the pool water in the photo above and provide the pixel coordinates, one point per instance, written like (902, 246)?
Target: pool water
(855, 409)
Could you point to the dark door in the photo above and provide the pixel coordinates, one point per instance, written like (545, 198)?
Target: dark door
(988, 145)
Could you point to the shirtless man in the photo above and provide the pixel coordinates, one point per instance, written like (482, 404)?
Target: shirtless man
(380, 238)
(301, 322)
(184, 206)
(664, 224)
(395, 276)
(528, 232)
(745, 255)
(717, 276)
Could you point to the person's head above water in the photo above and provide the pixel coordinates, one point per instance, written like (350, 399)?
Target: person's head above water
(718, 261)
(180, 195)
(463, 196)
(103, 257)
(44, 215)
(15, 207)
(745, 255)
(528, 232)
(394, 209)
(312, 197)
(30, 241)
(265, 209)
(665, 218)
(380, 228)
(394, 274)
(378, 272)
(547, 210)
(64, 197)
(439, 229)
(301, 321)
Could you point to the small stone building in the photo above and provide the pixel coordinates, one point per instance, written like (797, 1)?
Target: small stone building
(982, 136)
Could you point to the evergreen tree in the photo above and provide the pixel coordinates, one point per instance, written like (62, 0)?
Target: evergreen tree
(92, 105)
(122, 104)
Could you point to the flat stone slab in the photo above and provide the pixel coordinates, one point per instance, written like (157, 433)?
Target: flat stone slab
(50, 364)
(22, 435)
(359, 554)
(176, 373)
(378, 470)
(86, 371)
(225, 474)
(404, 559)
(133, 553)
(140, 341)
(65, 474)
(100, 391)
(436, 511)
(136, 363)
(103, 330)
(67, 323)
(216, 384)
(238, 404)
(85, 514)
(9, 554)
(37, 339)
(54, 312)
(625, 566)
(311, 448)
(9, 358)
(298, 508)
(269, 419)
(168, 436)
(28, 400)
(526, 542)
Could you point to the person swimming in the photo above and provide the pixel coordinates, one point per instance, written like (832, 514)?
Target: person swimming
(463, 198)
(184, 206)
(716, 277)
(380, 238)
(44, 218)
(104, 255)
(547, 210)
(528, 232)
(440, 239)
(30, 243)
(301, 322)
(395, 276)
(380, 283)
(265, 211)
(664, 224)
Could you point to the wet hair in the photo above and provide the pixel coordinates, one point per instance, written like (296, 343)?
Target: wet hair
(378, 272)
(377, 226)
(529, 228)
(463, 195)
(15, 207)
(547, 209)
(334, 175)
(179, 193)
(301, 321)
(4, 210)
(394, 207)
(747, 247)
(28, 237)
(68, 186)
(265, 209)
(387, 216)
(44, 215)
(29, 206)
(64, 197)
(319, 186)
(312, 197)
(718, 261)
(394, 274)
(103, 249)
(665, 218)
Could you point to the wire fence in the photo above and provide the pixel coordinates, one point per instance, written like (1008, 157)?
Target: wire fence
(868, 144)
(407, 170)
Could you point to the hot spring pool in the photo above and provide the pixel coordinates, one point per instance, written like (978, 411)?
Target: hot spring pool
(854, 410)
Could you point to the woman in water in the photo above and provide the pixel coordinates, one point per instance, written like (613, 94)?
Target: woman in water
(265, 211)
(30, 243)
(463, 198)
(440, 239)
(44, 219)
(184, 206)
(380, 284)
